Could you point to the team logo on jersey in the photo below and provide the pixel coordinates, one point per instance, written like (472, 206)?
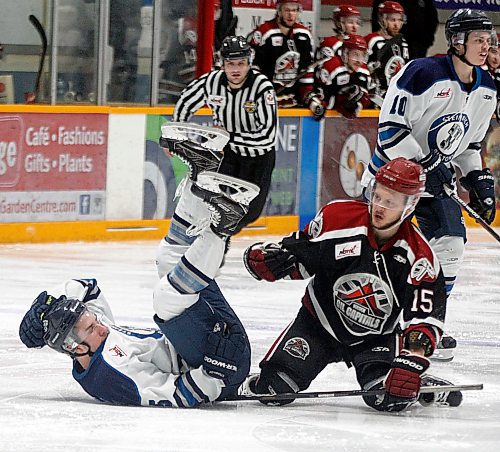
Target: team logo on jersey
(297, 347)
(348, 249)
(257, 37)
(446, 134)
(364, 303)
(250, 106)
(117, 351)
(287, 66)
(444, 93)
(216, 101)
(487, 97)
(422, 269)
(277, 41)
(315, 226)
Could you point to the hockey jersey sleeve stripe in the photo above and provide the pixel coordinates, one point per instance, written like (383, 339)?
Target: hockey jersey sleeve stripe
(391, 138)
(183, 397)
(192, 384)
(340, 233)
(191, 100)
(186, 278)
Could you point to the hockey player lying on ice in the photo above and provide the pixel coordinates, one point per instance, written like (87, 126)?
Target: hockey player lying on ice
(376, 299)
(200, 352)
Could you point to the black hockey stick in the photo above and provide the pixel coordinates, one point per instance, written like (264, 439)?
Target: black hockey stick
(31, 97)
(449, 191)
(355, 392)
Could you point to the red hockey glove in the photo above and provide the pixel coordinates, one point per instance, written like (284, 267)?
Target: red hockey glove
(404, 379)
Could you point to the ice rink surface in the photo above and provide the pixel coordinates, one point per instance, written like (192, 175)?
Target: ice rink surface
(42, 408)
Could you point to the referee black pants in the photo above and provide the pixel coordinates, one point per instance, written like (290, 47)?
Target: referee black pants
(257, 170)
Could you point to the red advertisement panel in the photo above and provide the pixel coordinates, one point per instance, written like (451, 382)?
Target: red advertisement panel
(347, 150)
(52, 166)
(267, 4)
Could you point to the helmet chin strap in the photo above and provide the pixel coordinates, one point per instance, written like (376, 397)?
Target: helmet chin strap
(79, 355)
(462, 58)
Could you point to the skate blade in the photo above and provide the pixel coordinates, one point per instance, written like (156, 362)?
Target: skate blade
(207, 137)
(237, 190)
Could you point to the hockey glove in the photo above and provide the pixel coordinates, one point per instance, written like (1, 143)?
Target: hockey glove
(224, 351)
(437, 174)
(168, 143)
(403, 381)
(269, 261)
(354, 96)
(481, 187)
(31, 328)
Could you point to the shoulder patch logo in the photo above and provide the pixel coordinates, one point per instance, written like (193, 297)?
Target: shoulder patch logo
(444, 93)
(277, 41)
(269, 98)
(348, 249)
(400, 259)
(250, 106)
(257, 37)
(297, 347)
(217, 101)
(117, 351)
(315, 226)
(422, 269)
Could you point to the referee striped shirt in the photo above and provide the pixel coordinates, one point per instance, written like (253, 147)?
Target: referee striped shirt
(248, 113)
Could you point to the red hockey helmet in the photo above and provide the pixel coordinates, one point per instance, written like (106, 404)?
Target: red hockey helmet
(403, 176)
(341, 12)
(355, 42)
(390, 8)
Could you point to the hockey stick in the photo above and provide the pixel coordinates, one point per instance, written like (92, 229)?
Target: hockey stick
(31, 97)
(449, 191)
(355, 392)
(309, 68)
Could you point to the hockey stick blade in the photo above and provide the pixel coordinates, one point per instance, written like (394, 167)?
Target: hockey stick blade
(451, 193)
(352, 393)
(43, 36)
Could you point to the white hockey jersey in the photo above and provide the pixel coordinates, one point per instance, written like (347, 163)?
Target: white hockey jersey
(136, 367)
(428, 109)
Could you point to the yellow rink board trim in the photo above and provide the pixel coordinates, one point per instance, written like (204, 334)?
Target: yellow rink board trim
(89, 231)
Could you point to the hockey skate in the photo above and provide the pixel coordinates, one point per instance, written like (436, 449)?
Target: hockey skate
(444, 349)
(228, 199)
(197, 146)
(445, 398)
(247, 388)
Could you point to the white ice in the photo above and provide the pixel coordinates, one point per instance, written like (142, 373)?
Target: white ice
(42, 408)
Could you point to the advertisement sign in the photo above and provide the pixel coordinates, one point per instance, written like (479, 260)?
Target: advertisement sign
(347, 150)
(52, 167)
(485, 5)
(162, 173)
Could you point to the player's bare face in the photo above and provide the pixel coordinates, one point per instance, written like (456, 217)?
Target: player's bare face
(355, 59)
(387, 207)
(494, 58)
(289, 13)
(478, 46)
(351, 24)
(393, 24)
(90, 330)
(236, 71)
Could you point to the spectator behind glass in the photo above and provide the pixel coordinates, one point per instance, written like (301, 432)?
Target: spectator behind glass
(420, 27)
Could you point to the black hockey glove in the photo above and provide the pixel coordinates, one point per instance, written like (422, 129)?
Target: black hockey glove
(403, 381)
(354, 95)
(168, 143)
(481, 187)
(31, 328)
(437, 174)
(269, 261)
(224, 350)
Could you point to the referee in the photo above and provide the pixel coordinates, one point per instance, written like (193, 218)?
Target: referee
(243, 102)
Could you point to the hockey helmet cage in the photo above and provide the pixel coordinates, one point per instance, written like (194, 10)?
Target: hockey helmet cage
(58, 323)
(402, 176)
(462, 22)
(234, 48)
(342, 11)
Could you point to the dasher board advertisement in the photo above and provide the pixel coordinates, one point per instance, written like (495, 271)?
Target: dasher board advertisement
(52, 167)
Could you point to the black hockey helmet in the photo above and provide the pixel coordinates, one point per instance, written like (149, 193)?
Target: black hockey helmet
(462, 22)
(58, 325)
(234, 48)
